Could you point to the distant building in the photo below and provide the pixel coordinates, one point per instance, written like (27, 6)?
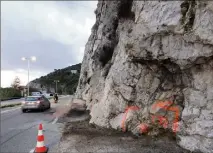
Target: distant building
(23, 90)
(43, 91)
(74, 71)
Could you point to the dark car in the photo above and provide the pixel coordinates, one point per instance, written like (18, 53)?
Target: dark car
(35, 103)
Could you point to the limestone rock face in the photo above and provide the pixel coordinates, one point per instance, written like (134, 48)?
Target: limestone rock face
(151, 63)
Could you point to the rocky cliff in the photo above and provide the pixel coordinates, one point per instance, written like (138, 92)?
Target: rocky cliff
(148, 67)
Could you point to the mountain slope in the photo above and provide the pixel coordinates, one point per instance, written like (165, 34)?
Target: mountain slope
(68, 81)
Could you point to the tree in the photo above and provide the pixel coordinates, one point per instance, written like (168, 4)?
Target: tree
(16, 83)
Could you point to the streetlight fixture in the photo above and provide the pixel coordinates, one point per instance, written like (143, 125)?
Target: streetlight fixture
(56, 82)
(28, 59)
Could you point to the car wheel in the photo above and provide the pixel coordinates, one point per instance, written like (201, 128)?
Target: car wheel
(23, 110)
(40, 109)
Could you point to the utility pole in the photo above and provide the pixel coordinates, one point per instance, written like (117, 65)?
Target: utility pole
(28, 59)
(28, 77)
(56, 82)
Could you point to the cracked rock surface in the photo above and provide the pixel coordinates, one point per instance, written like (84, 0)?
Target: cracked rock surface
(158, 57)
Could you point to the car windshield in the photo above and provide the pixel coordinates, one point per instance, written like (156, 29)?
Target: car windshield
(32, 98)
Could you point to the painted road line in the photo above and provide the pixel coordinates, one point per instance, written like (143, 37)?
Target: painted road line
(6, 111)
(32, 151)
(65, 96)
(55, 120)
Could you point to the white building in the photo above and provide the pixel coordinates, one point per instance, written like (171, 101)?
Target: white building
(74, 71)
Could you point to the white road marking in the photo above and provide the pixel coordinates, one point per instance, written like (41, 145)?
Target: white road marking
(64, 96)
(32, 150)
(55, 120)
(6, 111)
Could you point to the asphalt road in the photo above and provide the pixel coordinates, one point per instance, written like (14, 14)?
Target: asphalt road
(19, 130)
(15, 101)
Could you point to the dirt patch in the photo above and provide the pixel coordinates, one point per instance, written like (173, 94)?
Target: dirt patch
(81, 136)
(88, 130)
(75, 113)
(82, 127)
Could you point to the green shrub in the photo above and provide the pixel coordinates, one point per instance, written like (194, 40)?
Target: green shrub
(6, 93)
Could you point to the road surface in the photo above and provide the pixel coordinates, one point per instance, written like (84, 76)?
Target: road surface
(19, 130)
(16, 101)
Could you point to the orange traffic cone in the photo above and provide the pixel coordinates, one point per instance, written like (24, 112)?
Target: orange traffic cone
(40, 147)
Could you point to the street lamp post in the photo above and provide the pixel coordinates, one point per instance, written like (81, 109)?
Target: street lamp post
(28, 59)
(56, 81)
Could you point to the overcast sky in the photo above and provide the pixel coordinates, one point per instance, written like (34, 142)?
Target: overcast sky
(54, 32)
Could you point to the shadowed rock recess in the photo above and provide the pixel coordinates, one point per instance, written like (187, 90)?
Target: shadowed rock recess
(148, 67)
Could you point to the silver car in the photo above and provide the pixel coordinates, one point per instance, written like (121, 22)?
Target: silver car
(35, 103)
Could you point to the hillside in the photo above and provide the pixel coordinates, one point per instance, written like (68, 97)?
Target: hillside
(67, 81)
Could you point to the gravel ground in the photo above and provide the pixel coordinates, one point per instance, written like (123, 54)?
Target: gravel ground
(79, 136)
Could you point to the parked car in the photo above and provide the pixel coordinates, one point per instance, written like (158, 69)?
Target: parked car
(48, 95)
(36, 93)
(35, 103)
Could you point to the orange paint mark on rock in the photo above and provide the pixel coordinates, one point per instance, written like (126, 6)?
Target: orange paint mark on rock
(134, 108)
(175, 127)
(163, 121)
(162, 104)
(143, 127)
(166, 105)
(153, 118)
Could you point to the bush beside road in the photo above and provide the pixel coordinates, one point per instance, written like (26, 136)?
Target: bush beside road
(9, 93)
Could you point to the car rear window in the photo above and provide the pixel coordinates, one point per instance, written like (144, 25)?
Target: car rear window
(32, 98)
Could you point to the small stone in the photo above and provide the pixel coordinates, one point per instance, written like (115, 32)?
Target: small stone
(78, 104)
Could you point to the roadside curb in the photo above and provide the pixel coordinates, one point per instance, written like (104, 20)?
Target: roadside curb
(10, 105)
(11, 98)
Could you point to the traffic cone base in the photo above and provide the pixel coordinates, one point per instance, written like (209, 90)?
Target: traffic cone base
(41, 150)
